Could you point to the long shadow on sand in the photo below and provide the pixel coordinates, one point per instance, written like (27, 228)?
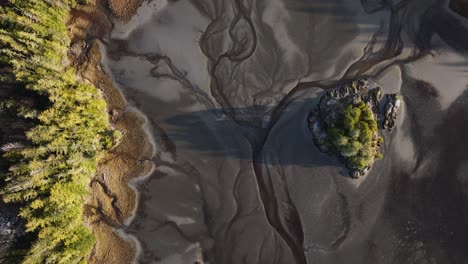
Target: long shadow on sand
(288, 143)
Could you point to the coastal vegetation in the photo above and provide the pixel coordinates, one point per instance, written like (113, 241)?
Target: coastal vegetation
(52, 170)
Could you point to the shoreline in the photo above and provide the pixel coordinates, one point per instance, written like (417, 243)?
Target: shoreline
(114, 196)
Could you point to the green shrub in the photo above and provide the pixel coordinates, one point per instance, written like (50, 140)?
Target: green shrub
(381, 140)
(365, 133)
(51, 175)
(355, 134)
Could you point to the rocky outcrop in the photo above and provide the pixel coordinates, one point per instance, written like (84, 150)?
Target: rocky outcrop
(384, 110)
(391, 111)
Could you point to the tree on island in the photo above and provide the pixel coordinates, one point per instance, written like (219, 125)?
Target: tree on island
(354, 135)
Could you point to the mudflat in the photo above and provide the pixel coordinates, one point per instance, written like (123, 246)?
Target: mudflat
(226, 87)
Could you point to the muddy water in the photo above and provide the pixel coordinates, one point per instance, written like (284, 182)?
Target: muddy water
(227, 85)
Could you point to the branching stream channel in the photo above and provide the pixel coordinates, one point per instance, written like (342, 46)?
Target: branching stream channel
(226, 87)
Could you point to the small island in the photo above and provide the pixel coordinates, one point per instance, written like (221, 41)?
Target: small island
(346, 123)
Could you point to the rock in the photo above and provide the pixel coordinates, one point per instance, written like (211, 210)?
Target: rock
(391, 111)
(355, 87)
(317, 132)
(356, 174)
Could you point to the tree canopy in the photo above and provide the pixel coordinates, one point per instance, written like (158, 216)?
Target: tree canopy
(51, 174)
(354, 135)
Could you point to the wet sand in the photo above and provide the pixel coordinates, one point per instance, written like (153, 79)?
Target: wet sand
(226, 87)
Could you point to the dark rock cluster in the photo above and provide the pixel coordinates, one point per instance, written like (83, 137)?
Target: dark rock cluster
(393, 103)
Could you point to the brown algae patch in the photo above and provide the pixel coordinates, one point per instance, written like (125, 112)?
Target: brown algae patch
(112, 201)
(124, 9)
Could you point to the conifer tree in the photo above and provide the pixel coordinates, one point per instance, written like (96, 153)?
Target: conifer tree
(52, 173)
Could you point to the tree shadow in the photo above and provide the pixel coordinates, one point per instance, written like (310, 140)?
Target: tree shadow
(289, 142)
